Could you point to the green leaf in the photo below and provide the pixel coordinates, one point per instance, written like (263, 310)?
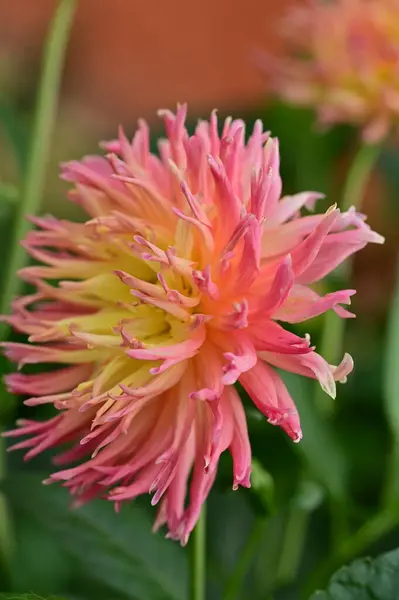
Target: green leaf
(307, 499)
(365, 579)
(11, 596)
(117, 550)
(230, 519)
(37, 563)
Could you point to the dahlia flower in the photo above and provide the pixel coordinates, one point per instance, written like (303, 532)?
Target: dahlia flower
(343, 60)
(176, 287)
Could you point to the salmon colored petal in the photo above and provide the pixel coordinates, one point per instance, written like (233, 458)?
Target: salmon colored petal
(271, 397)
(165, 298)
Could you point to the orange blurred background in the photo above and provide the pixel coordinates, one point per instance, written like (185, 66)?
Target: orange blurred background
(127, 58)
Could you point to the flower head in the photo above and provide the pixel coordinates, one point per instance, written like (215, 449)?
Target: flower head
(171, 292)
(344, 61)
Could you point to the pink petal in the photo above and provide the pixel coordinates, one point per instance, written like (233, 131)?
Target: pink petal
(303, 303)
(271, 397)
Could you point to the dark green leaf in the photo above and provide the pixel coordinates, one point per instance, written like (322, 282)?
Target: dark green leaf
(230, 521)
(117, 550)
(11, 596)
(365, 579)
(38, 563)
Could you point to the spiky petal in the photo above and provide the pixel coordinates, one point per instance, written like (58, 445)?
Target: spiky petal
(169, 294)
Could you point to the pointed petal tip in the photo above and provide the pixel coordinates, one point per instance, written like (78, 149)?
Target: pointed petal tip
(333, 208)
(332, 392)
(376, 238)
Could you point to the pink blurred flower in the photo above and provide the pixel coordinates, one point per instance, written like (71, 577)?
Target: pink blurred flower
(343, 60)
(170, 293)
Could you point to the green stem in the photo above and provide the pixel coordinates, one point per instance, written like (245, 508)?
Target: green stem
(358, 176)
(198, 559)
(32, 191)
(293, 544)
(234, 583)
(340, 525)
(39, 152)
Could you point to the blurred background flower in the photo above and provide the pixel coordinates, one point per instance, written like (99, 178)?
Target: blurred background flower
(341, 58)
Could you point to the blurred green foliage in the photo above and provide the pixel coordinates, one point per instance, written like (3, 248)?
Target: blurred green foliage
(13, 596)
(365, 579)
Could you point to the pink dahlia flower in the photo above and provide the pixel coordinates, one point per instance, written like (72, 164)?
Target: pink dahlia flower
(176, 287)
(343, 59)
